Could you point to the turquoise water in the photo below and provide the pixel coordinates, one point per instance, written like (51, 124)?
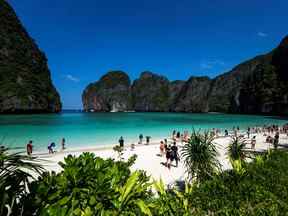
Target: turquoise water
(84, 129)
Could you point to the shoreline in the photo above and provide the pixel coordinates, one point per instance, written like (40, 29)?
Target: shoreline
(149, 158)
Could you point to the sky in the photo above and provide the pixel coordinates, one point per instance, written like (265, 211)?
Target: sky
(176, 38)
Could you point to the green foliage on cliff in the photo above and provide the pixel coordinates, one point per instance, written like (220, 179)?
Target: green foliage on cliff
(25, 83)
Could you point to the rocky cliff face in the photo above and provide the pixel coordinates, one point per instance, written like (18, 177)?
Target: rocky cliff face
(265, 90)
(110, 93)
(150, 93)
(259, 85)
(25, 83)
(193, 96)
(225, 89)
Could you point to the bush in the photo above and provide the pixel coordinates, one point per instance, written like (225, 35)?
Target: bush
(89, 185)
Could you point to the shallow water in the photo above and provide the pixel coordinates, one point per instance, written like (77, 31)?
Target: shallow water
(92, 129)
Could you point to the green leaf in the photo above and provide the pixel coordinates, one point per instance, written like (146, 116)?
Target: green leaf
(144, 208)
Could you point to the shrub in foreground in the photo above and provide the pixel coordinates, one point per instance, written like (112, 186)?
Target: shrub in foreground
(89, 185)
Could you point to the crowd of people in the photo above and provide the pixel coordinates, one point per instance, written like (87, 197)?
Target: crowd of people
(170, 151)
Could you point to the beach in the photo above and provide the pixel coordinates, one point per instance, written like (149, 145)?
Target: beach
(148, 158)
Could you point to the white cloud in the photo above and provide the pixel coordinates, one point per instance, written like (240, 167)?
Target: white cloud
(72, 78)
(210, 64)
(262, 34)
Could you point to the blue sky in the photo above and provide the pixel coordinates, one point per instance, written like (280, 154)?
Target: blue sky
(85, 39)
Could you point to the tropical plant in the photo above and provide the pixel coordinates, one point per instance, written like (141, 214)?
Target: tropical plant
(236, 149)
(16, 170)
(200, 156)
(119, 150)
(90, 185)
(172, 201)
(263, 190)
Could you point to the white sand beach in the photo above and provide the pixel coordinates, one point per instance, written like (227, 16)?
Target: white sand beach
(148, 158)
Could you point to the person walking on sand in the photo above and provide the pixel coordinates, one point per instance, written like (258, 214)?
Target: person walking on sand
(276, 140)
(253, 142)
(147, 140)
(121, 142)
(140, 139)
(63, 144)
(29, 148)
(168, 157)
(174, 154)
(162, 148)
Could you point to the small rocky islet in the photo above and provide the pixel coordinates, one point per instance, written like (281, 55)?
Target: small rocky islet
(257, 86)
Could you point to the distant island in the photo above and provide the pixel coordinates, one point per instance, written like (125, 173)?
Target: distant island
(257, 86)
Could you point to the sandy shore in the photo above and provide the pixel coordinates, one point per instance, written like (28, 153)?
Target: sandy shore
(148, 158)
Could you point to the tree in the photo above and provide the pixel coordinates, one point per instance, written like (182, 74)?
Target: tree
(200, 156)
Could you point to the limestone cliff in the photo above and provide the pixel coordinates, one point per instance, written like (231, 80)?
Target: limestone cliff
(25, 82)
(150, 93)
(259, 85)
(110, 93)
(193, 96)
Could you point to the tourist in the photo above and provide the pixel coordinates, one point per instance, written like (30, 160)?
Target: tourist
(121, 142)
(226, 132)
(50, 148)
(29, 148)
(165, 145)
(276, 140)
(140, 139)
(162, 148)
(253, 142)
(173, 134)
(182, 138)
(178, 135)
(63, 144)
(248, 132)
(147, 140)
(269, 139)
(174, 153)
(168, 157)
(132, 147)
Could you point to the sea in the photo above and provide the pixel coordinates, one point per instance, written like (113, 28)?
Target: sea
(89, 130)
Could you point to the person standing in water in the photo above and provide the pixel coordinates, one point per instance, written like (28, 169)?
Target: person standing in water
(29, 148)
(63, 144)
(121, 142)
